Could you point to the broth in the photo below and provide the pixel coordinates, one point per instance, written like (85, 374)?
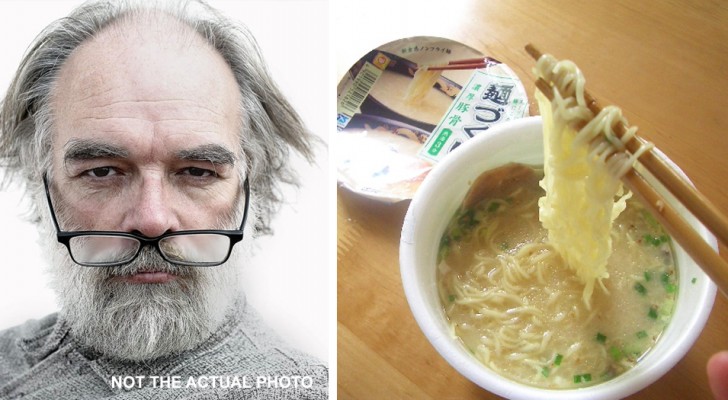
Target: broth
(517, 307)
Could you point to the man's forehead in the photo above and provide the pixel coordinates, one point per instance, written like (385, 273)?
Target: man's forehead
(131, 79)
(150, 56)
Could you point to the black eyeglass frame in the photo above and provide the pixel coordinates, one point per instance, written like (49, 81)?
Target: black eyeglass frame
(64, 237)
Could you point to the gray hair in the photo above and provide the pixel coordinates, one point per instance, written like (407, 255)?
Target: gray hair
(272, 127)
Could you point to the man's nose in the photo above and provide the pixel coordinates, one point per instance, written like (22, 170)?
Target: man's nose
(149, 210)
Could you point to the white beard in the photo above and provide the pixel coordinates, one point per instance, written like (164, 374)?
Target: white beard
(143, 321)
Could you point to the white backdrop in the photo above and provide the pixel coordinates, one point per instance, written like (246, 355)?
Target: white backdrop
(288, 282)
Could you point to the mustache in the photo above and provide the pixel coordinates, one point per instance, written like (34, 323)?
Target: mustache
(148, 260)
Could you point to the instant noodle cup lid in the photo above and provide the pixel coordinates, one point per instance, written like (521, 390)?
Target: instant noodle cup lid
(386, 146)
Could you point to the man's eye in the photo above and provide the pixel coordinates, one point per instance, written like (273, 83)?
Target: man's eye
(199, 172)
(101, 172)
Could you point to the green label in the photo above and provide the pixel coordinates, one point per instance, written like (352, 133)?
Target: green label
(439, 142)
(492, 95)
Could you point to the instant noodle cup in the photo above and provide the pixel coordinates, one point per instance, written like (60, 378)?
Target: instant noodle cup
(386, 144)
(431, 210)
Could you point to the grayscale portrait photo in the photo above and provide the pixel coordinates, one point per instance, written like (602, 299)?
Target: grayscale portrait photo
(164, 212)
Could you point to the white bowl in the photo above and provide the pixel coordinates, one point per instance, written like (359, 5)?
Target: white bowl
(429, 213)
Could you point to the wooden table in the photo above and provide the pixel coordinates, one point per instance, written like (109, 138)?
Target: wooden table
(663, 62)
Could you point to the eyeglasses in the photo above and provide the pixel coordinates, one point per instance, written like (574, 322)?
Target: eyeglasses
(199, 248)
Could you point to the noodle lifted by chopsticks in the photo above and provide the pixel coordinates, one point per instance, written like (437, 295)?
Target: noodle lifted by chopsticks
(582, 172)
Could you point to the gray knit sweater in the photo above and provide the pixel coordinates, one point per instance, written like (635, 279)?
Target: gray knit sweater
(242, 360)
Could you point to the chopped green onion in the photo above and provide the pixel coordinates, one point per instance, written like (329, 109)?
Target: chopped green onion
(669, 286)
(467, 219)
(582, 377)
(653, 312)
(694, 280)
(615, 353)
(451, 298)
(444, 248)
(601, 338)
(655, 240)
(557, 360)
(640, 288)
(445, 240)
(648, 276)
(577, 378)
(545, 371)
(641, 335)
(586, 377)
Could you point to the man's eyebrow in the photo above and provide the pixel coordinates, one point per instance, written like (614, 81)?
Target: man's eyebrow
(214, 153)
(86, 149)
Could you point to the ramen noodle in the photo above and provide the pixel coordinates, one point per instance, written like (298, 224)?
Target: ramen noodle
(582, 172)
(514, 303)
(420, 86)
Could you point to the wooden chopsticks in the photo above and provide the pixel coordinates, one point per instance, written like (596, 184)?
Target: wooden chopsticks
(470, 63)
(693, 200)
(708, 259)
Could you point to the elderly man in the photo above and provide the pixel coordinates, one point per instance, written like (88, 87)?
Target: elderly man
(152, 142)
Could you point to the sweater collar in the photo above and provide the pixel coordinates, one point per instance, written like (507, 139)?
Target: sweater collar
(41, 343)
